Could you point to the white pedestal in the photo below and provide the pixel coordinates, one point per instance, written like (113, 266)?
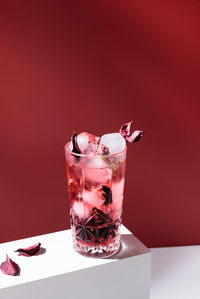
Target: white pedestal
(61, 273)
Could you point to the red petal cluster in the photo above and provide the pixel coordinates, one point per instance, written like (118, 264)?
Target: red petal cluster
(9, 267)
(125, 131)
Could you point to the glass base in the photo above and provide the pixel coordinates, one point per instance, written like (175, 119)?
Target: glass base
(97, 251)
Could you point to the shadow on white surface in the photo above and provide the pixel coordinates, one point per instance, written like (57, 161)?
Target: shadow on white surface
(41, 251)
(130, 246)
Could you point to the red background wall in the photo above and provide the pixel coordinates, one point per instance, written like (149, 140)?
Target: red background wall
(91, 66)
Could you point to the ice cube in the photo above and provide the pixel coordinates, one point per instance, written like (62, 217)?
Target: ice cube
(96, 171)
(114, 142)
(96, 162)
(85, 140)
(92, 198)
(81, 209)
(117, 195)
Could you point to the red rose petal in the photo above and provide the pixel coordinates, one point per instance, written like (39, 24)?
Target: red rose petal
(29, 251)
(125, 130)
(9, 267)
(107, 194)
(135, 136)
(76, 148)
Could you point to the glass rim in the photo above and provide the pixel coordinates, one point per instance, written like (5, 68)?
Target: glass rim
(67, 149)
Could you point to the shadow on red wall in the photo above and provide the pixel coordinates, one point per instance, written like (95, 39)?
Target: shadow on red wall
(91, 66)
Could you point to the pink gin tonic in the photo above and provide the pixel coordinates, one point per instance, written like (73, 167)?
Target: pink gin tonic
(96, 171)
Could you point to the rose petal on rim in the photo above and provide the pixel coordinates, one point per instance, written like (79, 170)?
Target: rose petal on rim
(9, 267)
(76, 148)
(29, 251)
(125, 130)
(135, 136)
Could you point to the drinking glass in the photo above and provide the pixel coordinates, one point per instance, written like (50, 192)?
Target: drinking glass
(95, 188)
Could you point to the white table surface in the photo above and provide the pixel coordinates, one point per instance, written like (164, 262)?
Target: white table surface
(59, 258)
(176, 272)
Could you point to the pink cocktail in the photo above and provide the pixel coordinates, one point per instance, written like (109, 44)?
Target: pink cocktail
(96, 173)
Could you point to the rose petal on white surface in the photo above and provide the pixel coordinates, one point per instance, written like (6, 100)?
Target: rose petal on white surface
(9, 267)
